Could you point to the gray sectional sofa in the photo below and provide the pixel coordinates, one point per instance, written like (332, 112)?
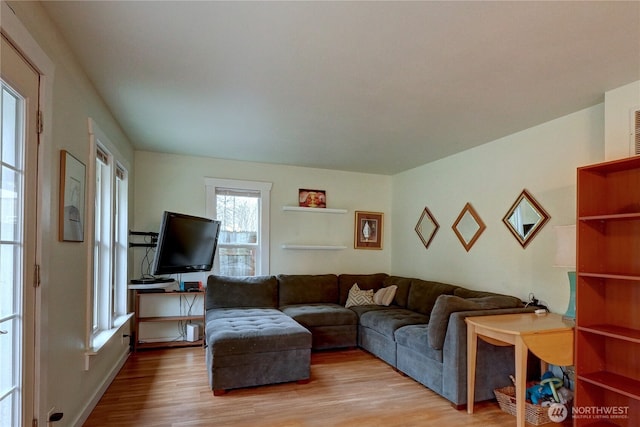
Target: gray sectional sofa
(261, 330)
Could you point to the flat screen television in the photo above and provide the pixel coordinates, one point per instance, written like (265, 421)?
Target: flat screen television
(185, 244)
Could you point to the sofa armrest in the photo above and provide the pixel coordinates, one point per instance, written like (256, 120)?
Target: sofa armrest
(494, 364)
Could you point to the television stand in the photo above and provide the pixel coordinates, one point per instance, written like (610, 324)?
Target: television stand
(175, 316)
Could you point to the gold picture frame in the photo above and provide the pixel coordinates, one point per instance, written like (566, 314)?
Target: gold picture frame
(468, 226)
(369, 229)
(72, 206)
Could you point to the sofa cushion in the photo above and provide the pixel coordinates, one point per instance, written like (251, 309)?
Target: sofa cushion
(387, 321)
(447, 304)
(359, 310)
(307, 288)
(415, 337)
(402, 293)
(358, 296)
(423, 295)
(364, 281)
(312, 315)
(232, 291)
(384, 296)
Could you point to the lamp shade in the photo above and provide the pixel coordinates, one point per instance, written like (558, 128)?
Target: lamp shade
(565, 246)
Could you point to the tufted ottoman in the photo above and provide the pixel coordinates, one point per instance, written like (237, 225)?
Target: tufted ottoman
(255, 346)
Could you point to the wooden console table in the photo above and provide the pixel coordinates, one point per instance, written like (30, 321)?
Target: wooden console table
(549, 336)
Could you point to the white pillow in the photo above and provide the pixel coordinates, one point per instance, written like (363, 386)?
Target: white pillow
(359, 297)
(384, 296)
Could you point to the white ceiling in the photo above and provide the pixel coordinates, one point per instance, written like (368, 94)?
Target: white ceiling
(376, 87)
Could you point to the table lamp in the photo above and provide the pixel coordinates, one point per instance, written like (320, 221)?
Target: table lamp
(566, 257)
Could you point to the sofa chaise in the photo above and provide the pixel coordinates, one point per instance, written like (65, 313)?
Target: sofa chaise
(261, 330)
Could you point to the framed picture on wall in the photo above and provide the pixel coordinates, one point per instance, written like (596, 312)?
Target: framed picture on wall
(368, 230)
(312, 198)
(72, 185)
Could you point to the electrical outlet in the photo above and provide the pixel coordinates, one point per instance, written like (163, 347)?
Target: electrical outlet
(53, 417)
(49, 414)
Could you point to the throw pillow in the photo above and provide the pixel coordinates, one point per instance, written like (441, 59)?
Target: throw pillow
(384, 296)
(359, 297)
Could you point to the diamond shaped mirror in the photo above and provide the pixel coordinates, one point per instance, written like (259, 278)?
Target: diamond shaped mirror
(426, 227)
(525, 218)
(468, 227)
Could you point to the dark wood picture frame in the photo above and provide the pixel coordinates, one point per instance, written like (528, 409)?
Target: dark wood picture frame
(427, 227)
(369, 229)
(528, 231)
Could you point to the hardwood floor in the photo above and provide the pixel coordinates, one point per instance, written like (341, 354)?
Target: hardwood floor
(163, 388)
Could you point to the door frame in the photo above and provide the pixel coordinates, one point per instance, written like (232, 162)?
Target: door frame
(18, 35)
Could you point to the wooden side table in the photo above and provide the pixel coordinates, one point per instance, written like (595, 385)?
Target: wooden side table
(549, 336)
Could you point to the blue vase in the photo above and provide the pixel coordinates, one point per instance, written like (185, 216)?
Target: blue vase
(571, 310)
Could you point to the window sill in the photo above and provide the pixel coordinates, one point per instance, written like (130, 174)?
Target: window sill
(101, 339)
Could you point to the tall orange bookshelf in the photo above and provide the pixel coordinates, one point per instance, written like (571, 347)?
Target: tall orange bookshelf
(608, 295)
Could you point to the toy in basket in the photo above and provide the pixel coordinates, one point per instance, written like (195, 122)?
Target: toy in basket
(540, 396)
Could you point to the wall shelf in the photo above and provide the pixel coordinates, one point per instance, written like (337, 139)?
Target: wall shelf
(314, 247)
(314, 210)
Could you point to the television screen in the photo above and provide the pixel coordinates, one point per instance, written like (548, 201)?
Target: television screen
(185, 244)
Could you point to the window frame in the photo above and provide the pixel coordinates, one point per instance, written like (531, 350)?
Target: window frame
(107, 304)
(264, 206)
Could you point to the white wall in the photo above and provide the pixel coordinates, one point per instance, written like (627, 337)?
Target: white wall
(617, 125)
(543, 160)
(176, 183)
(63, 315)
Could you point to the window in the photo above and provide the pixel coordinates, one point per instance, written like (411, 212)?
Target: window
(109, 249)
(243, 209)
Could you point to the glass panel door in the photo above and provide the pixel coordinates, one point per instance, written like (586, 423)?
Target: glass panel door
(11, 254)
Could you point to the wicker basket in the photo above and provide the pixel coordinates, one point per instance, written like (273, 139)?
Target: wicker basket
(534, 414)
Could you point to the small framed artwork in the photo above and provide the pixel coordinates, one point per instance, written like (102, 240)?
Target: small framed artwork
(312, 198)
(72, 185)
(368, 230)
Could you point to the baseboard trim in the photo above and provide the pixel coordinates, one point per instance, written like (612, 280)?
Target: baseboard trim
(93, 402)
